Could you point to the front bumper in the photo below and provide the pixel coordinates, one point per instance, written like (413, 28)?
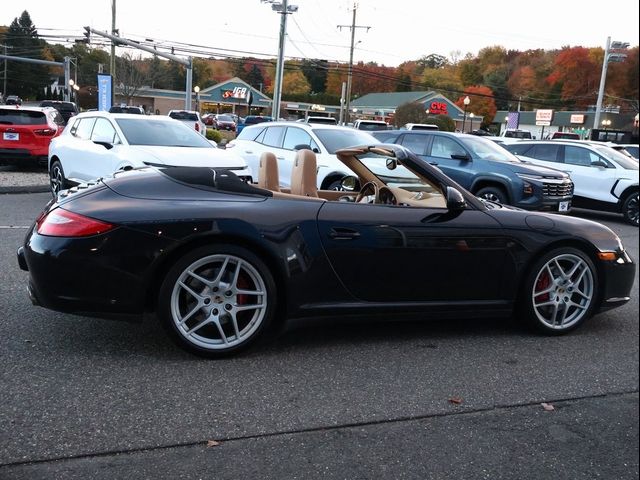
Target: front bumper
(618, 277)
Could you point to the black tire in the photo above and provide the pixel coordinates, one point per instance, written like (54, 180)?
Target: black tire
(335, 185)
(205, 303)
(493, 194)
(560, 291)
(57, 180)
(630, 208)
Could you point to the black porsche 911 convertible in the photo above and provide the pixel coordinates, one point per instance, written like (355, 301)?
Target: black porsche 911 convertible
(221, 262)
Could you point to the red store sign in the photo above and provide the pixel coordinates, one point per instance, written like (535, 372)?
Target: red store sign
(438, 108)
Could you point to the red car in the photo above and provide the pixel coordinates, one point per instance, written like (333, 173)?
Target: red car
(25, 133)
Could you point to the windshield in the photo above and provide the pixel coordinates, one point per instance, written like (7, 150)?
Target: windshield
(488, 150)
(617, 157)
(224, 118)
(399, 176)
(335, 139)
(184, 116)
(161, 133)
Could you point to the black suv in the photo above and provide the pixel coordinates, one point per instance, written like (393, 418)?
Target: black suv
(488, 170)
(66, 109)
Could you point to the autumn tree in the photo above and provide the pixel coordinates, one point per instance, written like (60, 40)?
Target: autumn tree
(577, 75)
(482, 103)
(130, 76)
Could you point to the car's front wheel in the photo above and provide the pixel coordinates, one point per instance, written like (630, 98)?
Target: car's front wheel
(560, 291)
(493, 194)
(57, 181)
(630, 208)
(217, 300)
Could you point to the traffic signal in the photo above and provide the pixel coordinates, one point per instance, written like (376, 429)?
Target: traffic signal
(87, 35)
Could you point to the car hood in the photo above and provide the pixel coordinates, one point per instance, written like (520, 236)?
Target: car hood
(189, 156)
(532, 169)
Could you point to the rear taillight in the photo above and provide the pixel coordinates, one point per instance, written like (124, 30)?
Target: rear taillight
(197, 127)
(63, 223)
(46, 132)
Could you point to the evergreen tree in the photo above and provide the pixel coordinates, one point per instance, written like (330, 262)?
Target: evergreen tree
(25, 79)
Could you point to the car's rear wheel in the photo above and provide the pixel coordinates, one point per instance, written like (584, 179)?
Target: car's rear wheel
(630, 208)
(217, 300)
(560, 291)
(493, 194)
(57, 181)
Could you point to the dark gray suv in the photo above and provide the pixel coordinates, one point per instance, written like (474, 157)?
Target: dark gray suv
(487, 170)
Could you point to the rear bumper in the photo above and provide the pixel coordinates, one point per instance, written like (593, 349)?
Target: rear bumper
(21, 156)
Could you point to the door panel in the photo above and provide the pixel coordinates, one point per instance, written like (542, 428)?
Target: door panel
(396, 253)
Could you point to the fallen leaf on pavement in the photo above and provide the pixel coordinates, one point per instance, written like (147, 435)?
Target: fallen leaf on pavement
(548, 407)
(455, 400)
(212, 443)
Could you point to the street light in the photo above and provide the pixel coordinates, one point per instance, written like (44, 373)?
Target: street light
(73, 90)
(606, 123)
(471, 117)
(197, 90)
(466, 103)
(608, 57)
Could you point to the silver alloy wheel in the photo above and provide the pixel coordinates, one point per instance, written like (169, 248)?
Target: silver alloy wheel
(218, 302)
(56, 178)
(492, 197)
(563, 291)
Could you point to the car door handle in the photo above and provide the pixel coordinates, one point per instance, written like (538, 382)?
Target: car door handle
(343, 233)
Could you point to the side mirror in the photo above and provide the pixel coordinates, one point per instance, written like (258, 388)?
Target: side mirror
(350, 184)
(599, 163)
(455, 200)
(106, 142)
(460, 156)
(302, 146)
(392, 163)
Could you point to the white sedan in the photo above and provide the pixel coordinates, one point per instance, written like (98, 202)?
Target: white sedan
(97, 144)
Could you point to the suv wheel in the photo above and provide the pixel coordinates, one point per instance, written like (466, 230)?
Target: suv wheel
(630, 208)
(493, 194)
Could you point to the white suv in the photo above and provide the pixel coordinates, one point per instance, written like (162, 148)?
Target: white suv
(603, 178)
(191, 119)
(284, 139)
(97, 144)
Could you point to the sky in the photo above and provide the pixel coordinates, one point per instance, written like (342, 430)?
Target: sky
(398, 30)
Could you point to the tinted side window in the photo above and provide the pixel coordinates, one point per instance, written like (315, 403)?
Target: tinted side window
(548, 153)
(445, 147)
(296, 136)
(273, 136)
(103, 129)
(517, 148)
(579, 156)
(82, 129)
(416, 143)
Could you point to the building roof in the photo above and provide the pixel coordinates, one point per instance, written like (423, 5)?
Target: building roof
(391, 100)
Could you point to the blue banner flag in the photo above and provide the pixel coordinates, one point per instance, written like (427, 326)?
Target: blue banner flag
(104, 92)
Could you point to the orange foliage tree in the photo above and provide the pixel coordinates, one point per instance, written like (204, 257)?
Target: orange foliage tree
(481, 103)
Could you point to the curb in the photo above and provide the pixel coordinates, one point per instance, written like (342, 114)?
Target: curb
(25, 189)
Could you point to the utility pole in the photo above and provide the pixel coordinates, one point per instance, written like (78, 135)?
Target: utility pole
(112, 63)
(353, 27)
(4, 86)
(284, 9)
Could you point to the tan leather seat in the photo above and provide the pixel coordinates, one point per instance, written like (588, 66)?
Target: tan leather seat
(304, 175)
(268, 176)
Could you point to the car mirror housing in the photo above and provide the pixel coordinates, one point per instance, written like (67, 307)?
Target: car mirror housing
(460, 156)
(392, 163)
(106, 142)
(455, 199)
(349, 183)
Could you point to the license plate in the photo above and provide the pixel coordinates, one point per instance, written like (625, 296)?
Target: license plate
(11, 136)
(563, 206)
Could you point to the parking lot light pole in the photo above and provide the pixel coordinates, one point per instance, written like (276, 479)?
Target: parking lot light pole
(466, 103)
(608, 57)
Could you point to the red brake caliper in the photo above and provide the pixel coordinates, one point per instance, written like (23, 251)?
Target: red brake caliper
(542, 284)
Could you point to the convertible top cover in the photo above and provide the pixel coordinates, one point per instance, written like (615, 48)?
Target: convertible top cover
(213, 179)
